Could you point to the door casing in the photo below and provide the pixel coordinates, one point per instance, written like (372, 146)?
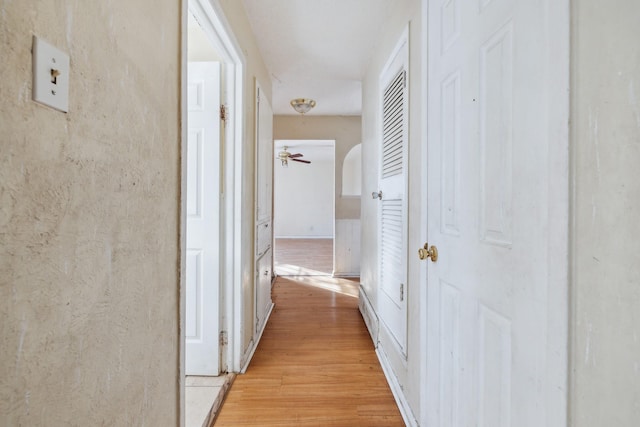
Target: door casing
(211, 18)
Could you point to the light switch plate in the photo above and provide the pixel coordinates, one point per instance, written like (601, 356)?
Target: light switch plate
(50, 75)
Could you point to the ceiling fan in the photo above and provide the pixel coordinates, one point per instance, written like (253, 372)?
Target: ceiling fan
(285, 156)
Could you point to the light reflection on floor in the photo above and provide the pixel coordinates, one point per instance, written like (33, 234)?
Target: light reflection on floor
(320, 280)
(296, 270)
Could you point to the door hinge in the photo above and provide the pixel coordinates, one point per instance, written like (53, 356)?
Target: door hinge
(223, 113)
(223, 338)
(401, 291)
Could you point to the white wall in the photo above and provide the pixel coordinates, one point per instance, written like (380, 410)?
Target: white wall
(303, 199)
(352, 172)
(344, 130)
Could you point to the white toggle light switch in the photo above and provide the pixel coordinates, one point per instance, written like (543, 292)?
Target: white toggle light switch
(50, 75)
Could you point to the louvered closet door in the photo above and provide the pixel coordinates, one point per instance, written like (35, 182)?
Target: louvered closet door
(393, 212)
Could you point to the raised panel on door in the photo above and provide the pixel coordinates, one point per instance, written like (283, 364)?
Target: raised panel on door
(202, 354)
(450, 122)
(490, 180)
(449, 392)
(496, 137)
(264, 158)
(263, 289)
(264, 237)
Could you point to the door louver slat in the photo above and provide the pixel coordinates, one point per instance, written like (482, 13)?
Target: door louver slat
(391, 243)
(393, 126)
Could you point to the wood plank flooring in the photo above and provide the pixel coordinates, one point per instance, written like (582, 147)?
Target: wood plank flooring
(303, 257)
(315, 364)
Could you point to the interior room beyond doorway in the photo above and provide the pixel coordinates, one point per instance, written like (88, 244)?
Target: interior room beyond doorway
(304, 207)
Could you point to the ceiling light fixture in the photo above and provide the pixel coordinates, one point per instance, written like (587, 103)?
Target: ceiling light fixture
(302, 105)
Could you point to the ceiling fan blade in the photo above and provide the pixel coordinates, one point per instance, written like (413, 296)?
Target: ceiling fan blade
(301, 161)
(293, 156)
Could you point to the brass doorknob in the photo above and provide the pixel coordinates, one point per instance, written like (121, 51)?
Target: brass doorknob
(428, 252)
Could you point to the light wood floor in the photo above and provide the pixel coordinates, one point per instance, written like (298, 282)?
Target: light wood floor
(303, 257)
(315, 364)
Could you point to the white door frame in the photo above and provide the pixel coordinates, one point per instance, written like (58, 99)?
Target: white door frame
(422, 271)
(390, 318)
(211, 17)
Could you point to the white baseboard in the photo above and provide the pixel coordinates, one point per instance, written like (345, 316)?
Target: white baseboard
(396, 389)
(371, 320)
(248, 355)
(303, 237)
(369, 315)
(347, 274)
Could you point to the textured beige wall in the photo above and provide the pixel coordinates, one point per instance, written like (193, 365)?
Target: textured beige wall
(605, 357)
(346, 130)
(89, 205)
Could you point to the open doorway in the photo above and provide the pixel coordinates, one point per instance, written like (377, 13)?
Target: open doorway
(304, 207)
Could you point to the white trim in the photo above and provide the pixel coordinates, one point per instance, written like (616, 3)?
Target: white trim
(422, 272)
(254, 343)
(559, 113)
(369, 315)
(304, 237)
(398, 60)
(346, 274)
(211, 17)
(182, 303)
(397, 50)
(396, 389)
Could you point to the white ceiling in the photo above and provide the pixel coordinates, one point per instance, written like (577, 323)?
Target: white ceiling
(317, 49)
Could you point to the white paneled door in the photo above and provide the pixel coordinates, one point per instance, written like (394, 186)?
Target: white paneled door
(496, 339)
(202, 320)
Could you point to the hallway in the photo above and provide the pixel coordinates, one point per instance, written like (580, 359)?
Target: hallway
(315, 364)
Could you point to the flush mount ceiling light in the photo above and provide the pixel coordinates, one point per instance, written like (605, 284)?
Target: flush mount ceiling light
(302, 105)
